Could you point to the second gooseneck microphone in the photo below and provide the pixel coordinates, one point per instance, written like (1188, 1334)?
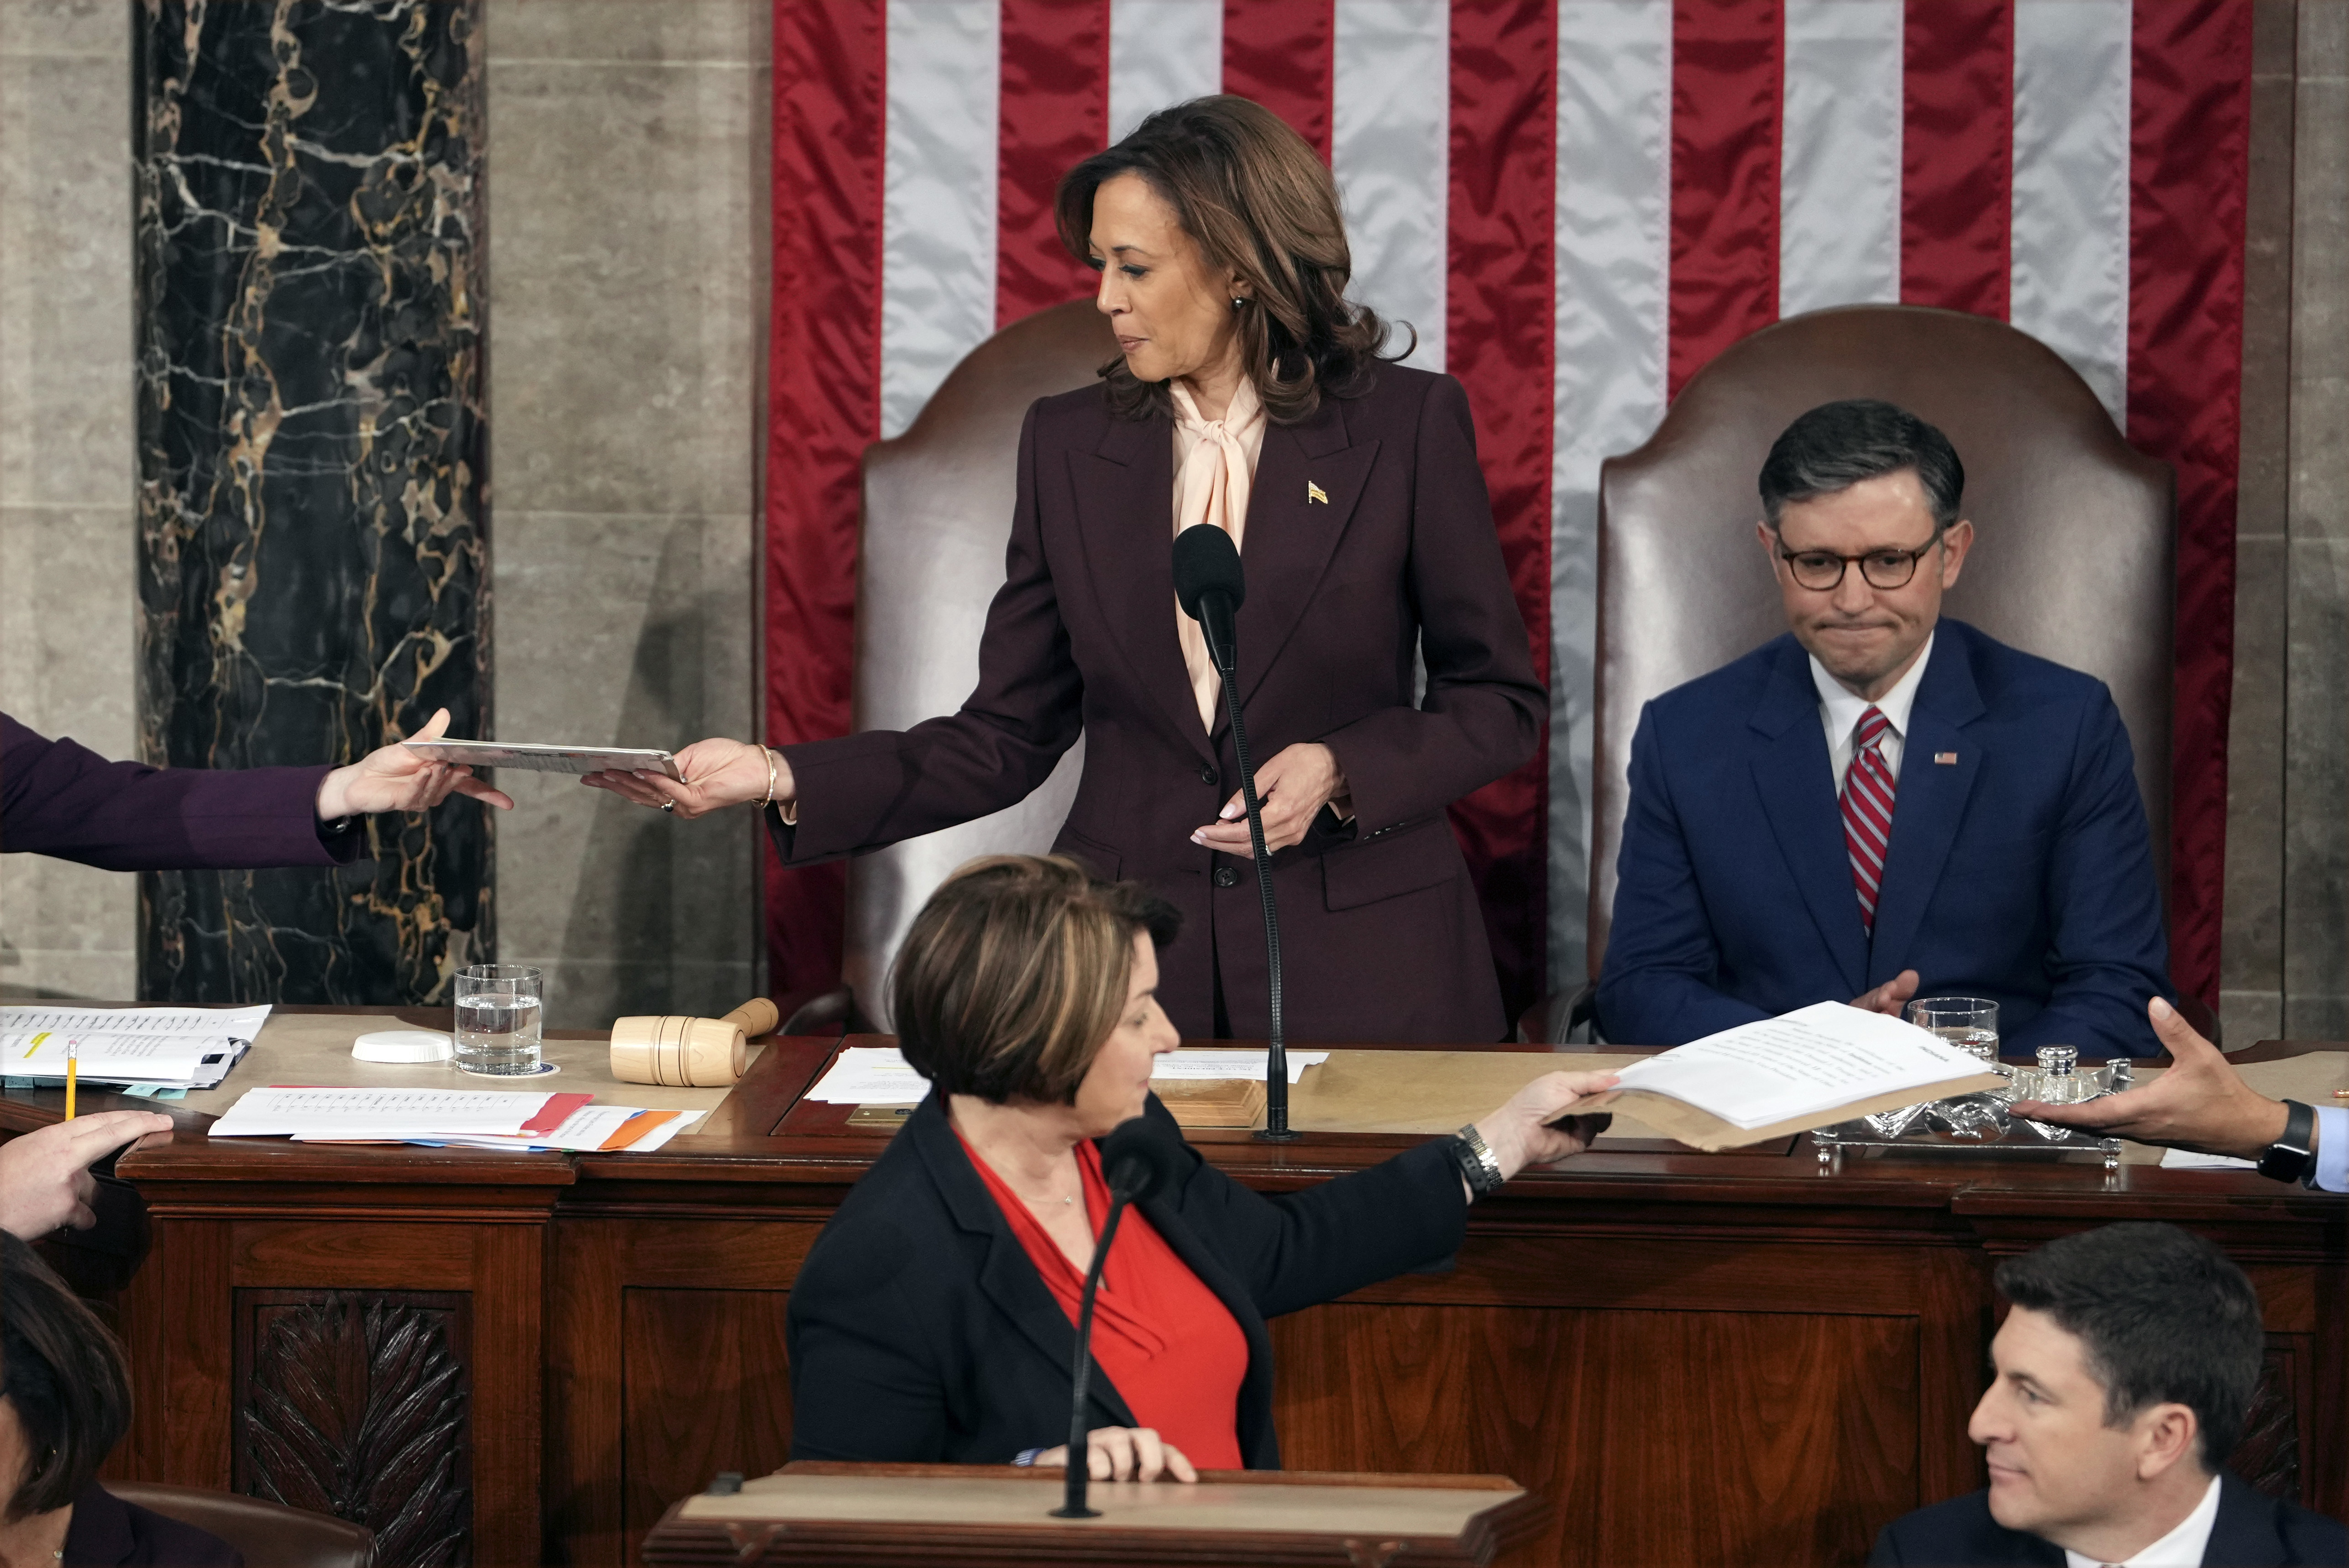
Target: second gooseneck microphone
(1210, 585)
(1137, 1162)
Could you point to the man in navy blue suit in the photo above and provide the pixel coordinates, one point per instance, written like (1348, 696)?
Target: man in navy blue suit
(2122, 1379)
(1882, 801)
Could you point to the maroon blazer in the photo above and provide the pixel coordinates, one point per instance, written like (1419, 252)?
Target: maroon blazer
(1381, 938)
(63, 799)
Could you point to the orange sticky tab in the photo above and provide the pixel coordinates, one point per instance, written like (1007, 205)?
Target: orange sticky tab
(634, 1128)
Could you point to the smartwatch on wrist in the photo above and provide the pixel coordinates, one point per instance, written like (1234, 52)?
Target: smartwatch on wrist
(2292, 1156)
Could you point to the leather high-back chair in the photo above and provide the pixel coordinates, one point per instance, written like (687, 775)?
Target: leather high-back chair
(263, 1532)
(937, 517)
(2075, 549)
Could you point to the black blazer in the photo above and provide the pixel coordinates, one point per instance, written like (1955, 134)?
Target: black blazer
(108, 1532)
(1389, 553)
(2252, 1530)
(920, 1331)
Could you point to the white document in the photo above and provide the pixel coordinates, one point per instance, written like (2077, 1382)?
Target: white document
(1214, 1065)
(870, 1075)
(390, 1115)
(183, 1046)
(2191, 1160)
(1812, 1060)
(878, 1075)
(586, 1130)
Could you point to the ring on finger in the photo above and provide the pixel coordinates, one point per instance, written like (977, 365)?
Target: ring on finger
(669, 806)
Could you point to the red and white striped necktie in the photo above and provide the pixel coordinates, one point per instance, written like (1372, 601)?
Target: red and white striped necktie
(1868, 791)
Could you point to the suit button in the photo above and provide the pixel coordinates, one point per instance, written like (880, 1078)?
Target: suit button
(1226, 877)
(1207, 775)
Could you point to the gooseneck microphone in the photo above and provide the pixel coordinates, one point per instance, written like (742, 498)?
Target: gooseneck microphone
(1137, 1162)
(1210, 585)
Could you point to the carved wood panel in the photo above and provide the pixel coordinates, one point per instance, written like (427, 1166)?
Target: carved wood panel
(358, 1404)
(1660, 1437)
(2268, 1456)
(707, 1387)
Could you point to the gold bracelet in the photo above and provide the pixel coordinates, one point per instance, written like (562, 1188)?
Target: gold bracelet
(770, 778)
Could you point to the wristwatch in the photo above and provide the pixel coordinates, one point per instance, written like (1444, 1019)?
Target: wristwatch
(2290, 1157)
(1479, 1167)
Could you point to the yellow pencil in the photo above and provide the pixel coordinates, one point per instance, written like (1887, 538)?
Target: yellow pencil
(72, 1064)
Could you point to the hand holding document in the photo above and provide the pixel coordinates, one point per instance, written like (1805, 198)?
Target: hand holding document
(1819, 1064)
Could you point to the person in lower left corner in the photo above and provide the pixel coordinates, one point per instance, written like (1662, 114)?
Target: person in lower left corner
(44, 1179)
(2123, 1373)
(65, 1402)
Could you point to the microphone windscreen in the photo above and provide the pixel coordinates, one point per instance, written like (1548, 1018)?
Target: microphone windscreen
(1206, 562)
(1139, 1158)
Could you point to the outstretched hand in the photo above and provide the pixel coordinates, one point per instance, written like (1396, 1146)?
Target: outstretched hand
(1533, 1127)
(2199, 1102)
(394, 779)
(718, 773)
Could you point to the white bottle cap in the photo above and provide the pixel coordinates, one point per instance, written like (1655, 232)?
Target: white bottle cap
(403, 1046)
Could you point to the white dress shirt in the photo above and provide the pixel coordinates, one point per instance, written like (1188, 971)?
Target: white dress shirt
(2332, 1171)
(1840, 712)
(2181, 1548)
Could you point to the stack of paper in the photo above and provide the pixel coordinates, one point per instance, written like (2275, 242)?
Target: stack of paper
(1821, 1064)
(471, 1118)
(172, 1047)
(878, 1075)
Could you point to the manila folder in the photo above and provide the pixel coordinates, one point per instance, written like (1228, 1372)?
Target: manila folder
(1812, 1067)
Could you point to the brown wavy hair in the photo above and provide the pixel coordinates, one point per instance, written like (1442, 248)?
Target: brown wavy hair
(1015, 973)
(1260, 202)
(62, 1374)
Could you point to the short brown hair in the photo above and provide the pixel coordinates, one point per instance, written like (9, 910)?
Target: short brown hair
(62, 1373)
(1259, 202)
(1014, 974)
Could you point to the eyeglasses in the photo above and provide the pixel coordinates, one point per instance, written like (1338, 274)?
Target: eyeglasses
(1821, 571)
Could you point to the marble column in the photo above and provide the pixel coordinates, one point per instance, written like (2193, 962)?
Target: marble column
(313, 545)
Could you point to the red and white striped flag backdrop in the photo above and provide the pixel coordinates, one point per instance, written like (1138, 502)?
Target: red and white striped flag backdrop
(1577, 205)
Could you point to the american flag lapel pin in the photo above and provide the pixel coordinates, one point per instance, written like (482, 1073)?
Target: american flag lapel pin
(1314, 493)
(1946, 758)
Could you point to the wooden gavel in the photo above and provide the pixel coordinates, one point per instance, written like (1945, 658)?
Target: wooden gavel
(688, 1053)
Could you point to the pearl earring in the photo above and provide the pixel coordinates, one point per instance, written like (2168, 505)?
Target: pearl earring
(1239, 300)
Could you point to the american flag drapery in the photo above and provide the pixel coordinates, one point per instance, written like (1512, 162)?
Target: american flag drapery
(1578, 204)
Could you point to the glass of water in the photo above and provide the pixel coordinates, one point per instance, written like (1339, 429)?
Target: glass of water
(1970, 1023)
(498, 1020)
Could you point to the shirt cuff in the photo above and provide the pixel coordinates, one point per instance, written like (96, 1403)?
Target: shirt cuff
(2332, 1171)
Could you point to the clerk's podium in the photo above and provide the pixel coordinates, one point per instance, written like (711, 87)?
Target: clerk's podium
(926, 1515)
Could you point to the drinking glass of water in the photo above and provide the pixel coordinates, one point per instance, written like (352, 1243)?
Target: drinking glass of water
(498, 1020)
(1970, 1023)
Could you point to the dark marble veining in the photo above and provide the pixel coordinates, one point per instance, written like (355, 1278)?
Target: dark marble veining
(313, 542)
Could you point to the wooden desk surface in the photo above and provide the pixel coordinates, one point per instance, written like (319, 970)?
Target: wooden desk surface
(1692, 1357)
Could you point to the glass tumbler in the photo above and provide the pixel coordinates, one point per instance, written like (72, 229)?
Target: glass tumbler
(1970, 1023)
(498, 1009)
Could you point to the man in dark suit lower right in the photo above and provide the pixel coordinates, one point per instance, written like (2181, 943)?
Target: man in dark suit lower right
(2123, 1373)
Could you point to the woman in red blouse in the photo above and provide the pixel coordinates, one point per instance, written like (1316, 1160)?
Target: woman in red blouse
(934, 1319)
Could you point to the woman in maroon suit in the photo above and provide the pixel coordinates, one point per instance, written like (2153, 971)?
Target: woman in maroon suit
(1249, 396)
